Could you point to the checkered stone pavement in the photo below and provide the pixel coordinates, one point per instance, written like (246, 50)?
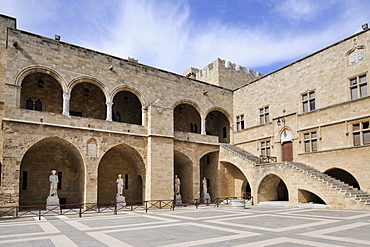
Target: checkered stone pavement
(205, 226)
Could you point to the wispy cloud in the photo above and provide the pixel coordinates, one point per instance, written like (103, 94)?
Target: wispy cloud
(300, 9)
(164, 33)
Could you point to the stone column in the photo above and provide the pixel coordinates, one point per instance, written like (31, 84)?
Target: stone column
(66, 98)
(231, 131)
(144, 114)
(109, 111)
(203, 126)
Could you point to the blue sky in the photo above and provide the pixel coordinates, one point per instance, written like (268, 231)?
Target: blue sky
(175, 35)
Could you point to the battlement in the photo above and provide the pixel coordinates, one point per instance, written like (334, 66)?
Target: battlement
(228, 76)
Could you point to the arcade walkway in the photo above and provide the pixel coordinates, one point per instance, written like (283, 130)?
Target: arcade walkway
(206, 226)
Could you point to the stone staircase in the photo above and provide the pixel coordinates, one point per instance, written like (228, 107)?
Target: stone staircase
(346, 190)
(241, 153)
(342, 187)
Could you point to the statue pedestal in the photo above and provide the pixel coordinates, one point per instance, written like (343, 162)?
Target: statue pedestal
(178, 200)
(121, 201)
(52, 203)
(206, 198)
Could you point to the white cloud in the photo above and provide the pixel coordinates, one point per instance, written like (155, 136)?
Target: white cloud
(162, 34)
(299, 9)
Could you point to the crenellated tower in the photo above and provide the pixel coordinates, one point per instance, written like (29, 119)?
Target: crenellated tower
(217, 73)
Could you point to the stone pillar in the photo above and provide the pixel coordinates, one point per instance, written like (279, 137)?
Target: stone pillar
(203, 126)
(231, 131)
(66, 98)
(144, 114)
(109, 111)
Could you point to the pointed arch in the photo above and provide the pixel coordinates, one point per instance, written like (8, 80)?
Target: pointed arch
(126, 160)
(37, 162)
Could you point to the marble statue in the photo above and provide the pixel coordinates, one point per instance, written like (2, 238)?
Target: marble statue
(204, 182)
(53, 179)
(177, 185)
(119, 182)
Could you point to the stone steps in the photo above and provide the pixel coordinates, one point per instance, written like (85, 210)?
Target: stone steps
(346, 190)
(341, 186)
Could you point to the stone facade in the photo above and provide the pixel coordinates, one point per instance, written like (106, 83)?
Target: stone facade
(92, 116)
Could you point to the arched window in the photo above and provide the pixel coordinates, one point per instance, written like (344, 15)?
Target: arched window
(29, 104)
(38, 105)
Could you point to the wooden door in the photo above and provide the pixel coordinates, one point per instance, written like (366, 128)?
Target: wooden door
(287, 149)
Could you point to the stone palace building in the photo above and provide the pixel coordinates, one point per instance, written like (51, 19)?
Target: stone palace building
(300, 134)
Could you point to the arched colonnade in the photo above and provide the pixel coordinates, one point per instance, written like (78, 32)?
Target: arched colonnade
(44, 89)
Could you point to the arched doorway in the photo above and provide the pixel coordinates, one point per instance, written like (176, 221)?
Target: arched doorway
(209, 170)
(87, 100)
(233, 182)
(183, 168)
(41, 92)
(127, 108)
(343, 176)
(125, 160)
(36, 166)
(286, 145)
(217, 124)
(272, 188)
(186, 119)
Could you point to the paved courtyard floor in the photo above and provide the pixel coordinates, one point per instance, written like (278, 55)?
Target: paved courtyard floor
(205, 226)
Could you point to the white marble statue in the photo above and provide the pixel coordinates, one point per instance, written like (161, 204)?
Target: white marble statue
(53, 179)
(177, 185)
(204, 182)
(119, 182)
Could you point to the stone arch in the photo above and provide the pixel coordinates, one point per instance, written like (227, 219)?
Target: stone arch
(91, 80)
(187, 117)
(40, 69)
(219, 124)
(183, 168)
(126, 160)
(306, 196)
(272, 188)
(36, 165)
(343, 176)
(222, 110)
(127, 105)
(209, 169)
(233, 182)
(40, 86)
(130, 89)
(189, 102)
(88, 98)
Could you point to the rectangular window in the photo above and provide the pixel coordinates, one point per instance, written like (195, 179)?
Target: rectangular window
(310, 142)
(264, 115)
(361, 133)
(308, 101)
(358, 87)
(24, 180)
(239, 122)
(224, 132)
(266, 148)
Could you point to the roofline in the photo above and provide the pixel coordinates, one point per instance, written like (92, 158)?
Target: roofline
(117, 58)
